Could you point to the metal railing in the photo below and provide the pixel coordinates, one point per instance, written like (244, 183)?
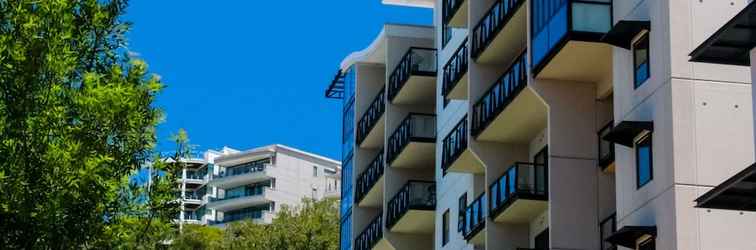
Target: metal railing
(371, 116)
(252, 167)
(416, 61)
(491, 23)
(371, 234)
(455, 68)
(454, 144)
(415, 127)
(521, 181)
(498, 97)
(248, 192)
(370, 177)
(415, 195)
(475, 217)
(449, 9)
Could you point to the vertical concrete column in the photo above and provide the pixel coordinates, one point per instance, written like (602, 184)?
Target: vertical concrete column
(753, 90)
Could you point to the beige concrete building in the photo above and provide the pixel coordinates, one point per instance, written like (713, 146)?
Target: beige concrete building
(560, 124)
(219, 187)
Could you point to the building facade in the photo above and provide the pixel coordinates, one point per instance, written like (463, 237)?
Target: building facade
(559, 124)
(229, 185)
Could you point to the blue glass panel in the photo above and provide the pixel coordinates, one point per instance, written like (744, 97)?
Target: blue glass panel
(346, 232)
(641, 74)
(557, 26)
(644, 164)
(588, 17)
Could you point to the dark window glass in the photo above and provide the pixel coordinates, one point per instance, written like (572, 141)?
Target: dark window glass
(644, 160)
(445, 225)
(608, 226)
(641, 61)
(649, 244)
(315, 171)
(542, 240)
(461, 212)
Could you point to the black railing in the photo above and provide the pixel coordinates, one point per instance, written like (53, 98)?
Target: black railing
(521, 181)
(236, 216)
(248, 191)
(371, 234)
(500, 95)
(455, 68)
(371, 116)
(475, 217)
(491, 23)
(415, 195)
(414, 128)
(370, 177)
(606, 148)
(449, 8)
(454, 144)
(252, 167)
(417, 61)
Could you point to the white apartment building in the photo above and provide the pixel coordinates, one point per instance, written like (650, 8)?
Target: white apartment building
(230, 185)
(560, 124)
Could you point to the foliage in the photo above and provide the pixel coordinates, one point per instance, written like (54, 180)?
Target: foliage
(76, 120)
(311, 226)
(198, 237)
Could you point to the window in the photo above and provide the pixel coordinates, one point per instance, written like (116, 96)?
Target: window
(607, 227)
(641, 61)
(445, 225)
(314, 171)
(644, 160)
(461, 212)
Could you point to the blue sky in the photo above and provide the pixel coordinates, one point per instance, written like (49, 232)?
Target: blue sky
(250, 73)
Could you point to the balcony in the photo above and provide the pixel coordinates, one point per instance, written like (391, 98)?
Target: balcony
(192, 178)
(256, 216)
(475, 221)
(509, 112)
(243, 175)
(455, 74)
(370, 184)
(413, 208)
(413, 77)
(371, 235)
(606, 149)
(565, 40)
(501, 33)
(192, 200)
(456, 156)
(454, 13)
(251, 197)
(520, 194)
(412, 145)
(370, 126)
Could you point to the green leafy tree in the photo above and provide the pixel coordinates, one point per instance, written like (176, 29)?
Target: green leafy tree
(198, 237)
(76, 120)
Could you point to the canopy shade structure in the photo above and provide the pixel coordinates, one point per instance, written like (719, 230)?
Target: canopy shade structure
(732, 43)
(626, 131)
(627, 236)
(736, 193)
(622, 34)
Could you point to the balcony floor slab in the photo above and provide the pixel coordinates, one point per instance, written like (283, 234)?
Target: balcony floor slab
(374, 139)
(519, 122)
(522, 211)
(416, 155)
(578, 61)
(415, 91)
(416, 222)
(467, 163)
(374, 197)
(509, 42)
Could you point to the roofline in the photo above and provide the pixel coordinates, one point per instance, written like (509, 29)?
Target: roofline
(388, 30)
(275, 148)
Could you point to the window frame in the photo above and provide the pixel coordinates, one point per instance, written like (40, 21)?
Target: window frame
(461, 206)
(642, 38)
(445, 228)
(314, 171)
(644, 140)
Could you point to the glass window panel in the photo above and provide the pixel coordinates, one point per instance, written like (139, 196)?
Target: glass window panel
(643, 154)
(588, 17)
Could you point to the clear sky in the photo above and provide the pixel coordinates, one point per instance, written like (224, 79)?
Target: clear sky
(251, 73)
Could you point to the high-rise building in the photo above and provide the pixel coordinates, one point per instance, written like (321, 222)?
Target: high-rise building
(559, 124)
(218, 187)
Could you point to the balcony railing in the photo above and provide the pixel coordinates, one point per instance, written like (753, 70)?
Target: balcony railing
(454, 145)
(196, 175)
(449, 8)
(496, 99)
(521, 181)
(557, 20)
(371, 235)
(371, 116)
(246, 215)
(416, 61)
(415, 127)
(415, 195)
(252, 167)
(248, 192)
(606, 148)
(455, 68)
(490, 25)
(192, 196)
(475, 217)
(370, 177)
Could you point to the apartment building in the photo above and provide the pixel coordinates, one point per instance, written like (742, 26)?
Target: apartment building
(561, 124)
(230, 185)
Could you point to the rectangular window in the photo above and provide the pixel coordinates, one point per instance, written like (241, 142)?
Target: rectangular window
(644, 160)
(461, 212)
(314, 171)
(641, 61)
(445, 225)
(607, 227)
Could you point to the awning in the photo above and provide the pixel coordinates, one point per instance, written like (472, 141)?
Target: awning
(732, 43)
(628, 235)
(736, 193)
(622, 34)
(335, 90)
(626, 131)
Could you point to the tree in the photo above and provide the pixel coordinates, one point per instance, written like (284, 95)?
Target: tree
(76, 119)
(198, 237)
(312, 226)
